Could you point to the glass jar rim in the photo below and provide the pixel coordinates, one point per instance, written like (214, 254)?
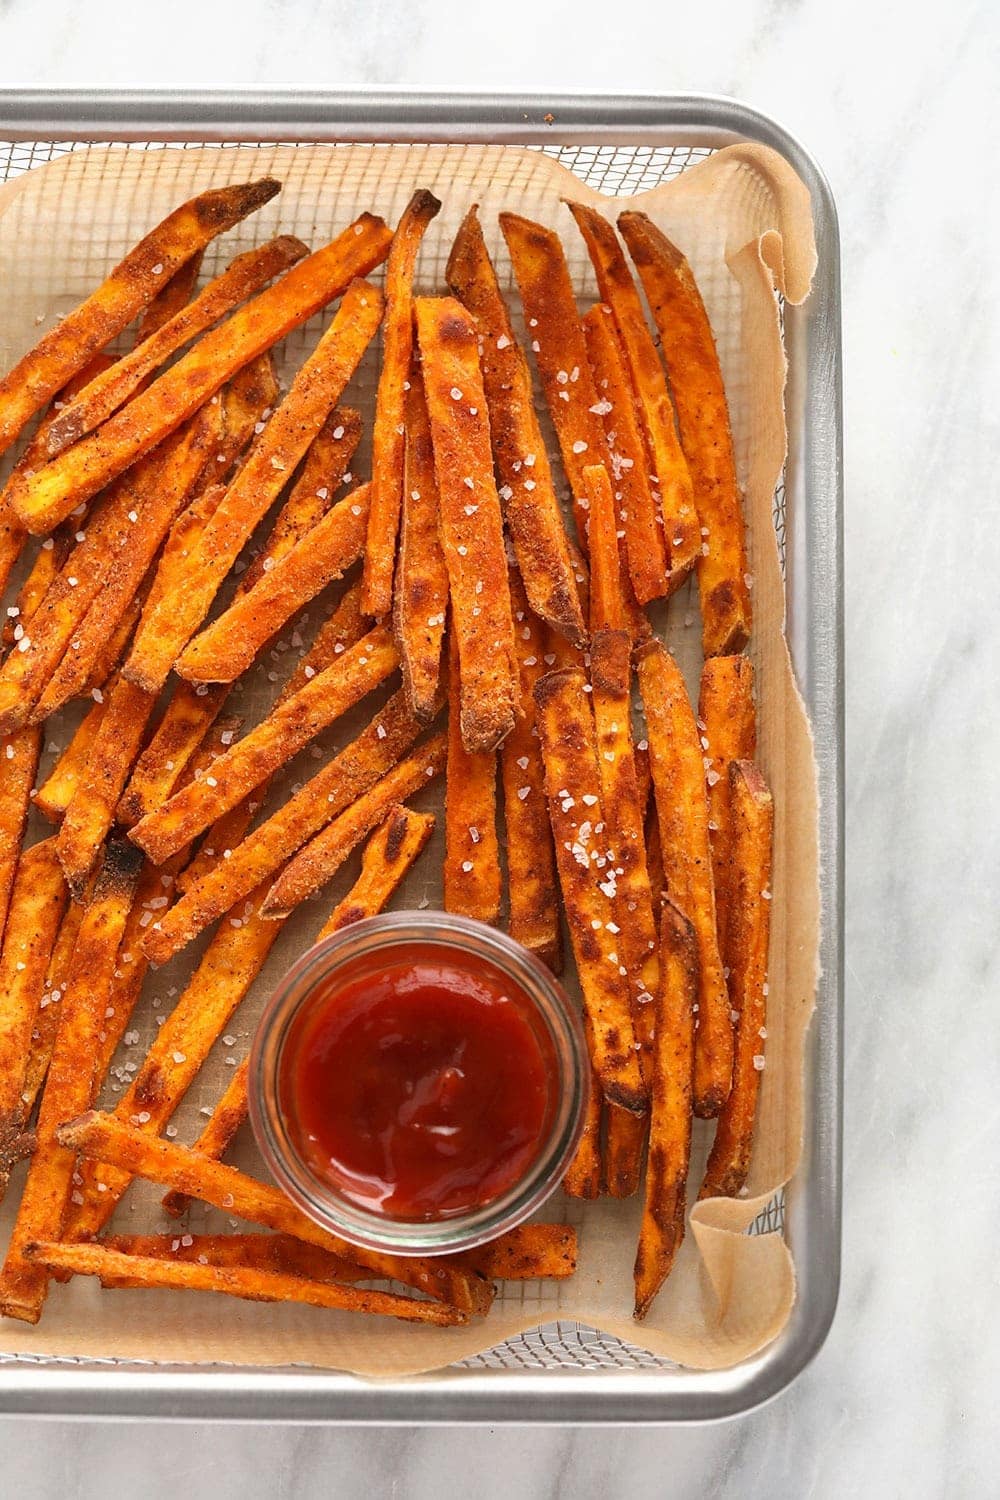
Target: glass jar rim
(318, 1198)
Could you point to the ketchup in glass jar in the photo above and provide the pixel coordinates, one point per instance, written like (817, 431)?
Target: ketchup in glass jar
(422, 1088)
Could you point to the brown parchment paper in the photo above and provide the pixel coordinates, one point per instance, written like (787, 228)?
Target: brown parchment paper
(743, 219)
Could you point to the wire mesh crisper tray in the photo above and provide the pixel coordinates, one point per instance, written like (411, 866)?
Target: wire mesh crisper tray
(560, 1370)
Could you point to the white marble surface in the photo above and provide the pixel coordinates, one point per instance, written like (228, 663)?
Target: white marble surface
(893, 99)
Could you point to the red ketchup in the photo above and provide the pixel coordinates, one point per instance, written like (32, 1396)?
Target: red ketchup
(420, 1090)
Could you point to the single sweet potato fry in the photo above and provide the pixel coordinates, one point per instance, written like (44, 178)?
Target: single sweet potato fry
(699, 394)
(611, 677)
(607, 599)
(624, 1147)
(38, 901)
(107, 1139)
(19, 754)
(752, 821)
(167, 303)
(532, 885)
(728, 724)
(272, 743)
(668, 466)
(91, 811)
(560, 352)
(470, 521)
(265, 1252)
(319, 860)
(23, 1285)
(529, 500)
(314, 391)
(583, 1175)
(246, 274)
(185, 722)
(235, 1281)
(390, 403)
(472, 851)
(56, 791)
(587, 861)
(133, 283)
(669, 1150)
(216, 1137)
(527, 1253)
(228, 646)
(229, 967)
(47, 1017)
(388, 855)
(181, 461)
(635, 503)
(420, 601)
(682, 808)
(347, 777)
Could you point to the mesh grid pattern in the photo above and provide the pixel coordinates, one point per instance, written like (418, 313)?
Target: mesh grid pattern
(614, 171)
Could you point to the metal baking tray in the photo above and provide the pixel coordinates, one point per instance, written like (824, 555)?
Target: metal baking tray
(561, 1372)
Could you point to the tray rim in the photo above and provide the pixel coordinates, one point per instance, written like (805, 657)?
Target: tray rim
(814, 539)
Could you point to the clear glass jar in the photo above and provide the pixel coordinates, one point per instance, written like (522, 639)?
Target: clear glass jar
(348, 955)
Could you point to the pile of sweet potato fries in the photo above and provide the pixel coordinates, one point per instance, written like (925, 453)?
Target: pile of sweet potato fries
(516, 636)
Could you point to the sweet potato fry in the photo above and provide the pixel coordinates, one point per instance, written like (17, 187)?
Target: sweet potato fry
(470, 521)
(228, 968)
(635, 503)
(47, 1018)
(611, 676)
(421, 589)
(699, 394)
(265, 1252)
(186, 720)
(728, 726)
(67, 1088)
(223, 1123)
(91, 811)
(527, 1253)
(389, 854)
(134, 1152)
(752, 823)
(530, 505)
(45, 497)
(147, 268)
(583, 1175)
(588, 875)
(227, 647)
(38, 901)
(390, 403)
(56, 791)
(319, 860)
(180, 462)
(669, 1151)
(532, 888)
(224, 835)
(271, 744)
(236, 1281)
(347, 777)
(245, 275)
(624, 1147)
(19, 754)
(472, 851)
(168, 302)
(344, 628)
(560, 352)
(607, 600)
(668, 466)
(311, 396)
(682, 809)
